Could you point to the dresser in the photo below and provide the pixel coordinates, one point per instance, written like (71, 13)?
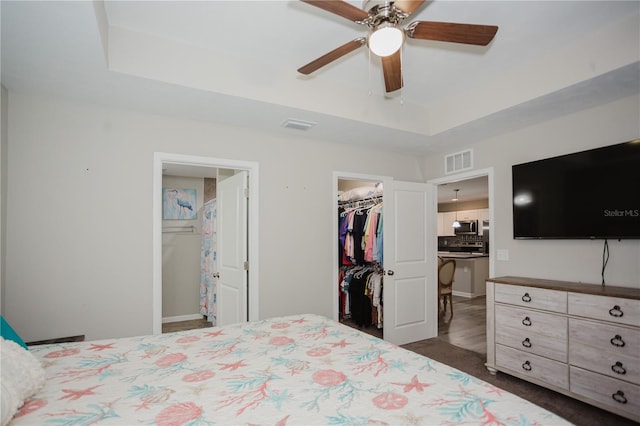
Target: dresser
(581, 340)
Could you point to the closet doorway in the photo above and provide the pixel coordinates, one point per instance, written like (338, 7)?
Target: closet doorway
(237, 257)
(361, 267)
(409, 291)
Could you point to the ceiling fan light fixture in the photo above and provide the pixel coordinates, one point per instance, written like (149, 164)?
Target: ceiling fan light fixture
(386, 39)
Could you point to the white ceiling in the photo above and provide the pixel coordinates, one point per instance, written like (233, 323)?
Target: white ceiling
(235, 62)
(468, 190)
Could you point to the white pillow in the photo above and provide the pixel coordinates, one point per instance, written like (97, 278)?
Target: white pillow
(22, 376)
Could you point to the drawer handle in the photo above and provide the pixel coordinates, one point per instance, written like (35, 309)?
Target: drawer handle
(619, 397)
(526, 366)
(618, 368)
(526, 298)
(526, 322)
(527, 344)
(617, 341)
(616, 312)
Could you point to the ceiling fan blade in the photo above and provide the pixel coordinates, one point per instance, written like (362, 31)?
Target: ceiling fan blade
(392, 69)
(331, 56)
(408, 6)
(341, 8)
(480, 35)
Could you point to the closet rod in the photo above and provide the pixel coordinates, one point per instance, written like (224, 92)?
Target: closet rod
(365, 202)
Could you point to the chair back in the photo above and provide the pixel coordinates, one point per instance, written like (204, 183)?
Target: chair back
(446, 272)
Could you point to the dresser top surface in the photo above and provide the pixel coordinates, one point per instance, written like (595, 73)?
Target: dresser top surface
(575, 287)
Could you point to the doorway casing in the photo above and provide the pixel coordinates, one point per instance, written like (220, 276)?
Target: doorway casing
(464, 176)
(159, 160)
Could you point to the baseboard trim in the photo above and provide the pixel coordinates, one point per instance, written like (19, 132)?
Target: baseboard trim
(182, 318)
(466, 295)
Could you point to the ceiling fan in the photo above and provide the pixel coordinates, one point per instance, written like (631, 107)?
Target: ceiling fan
(386, 36)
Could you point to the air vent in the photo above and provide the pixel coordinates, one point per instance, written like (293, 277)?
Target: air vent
(458, 161)
(291, 123)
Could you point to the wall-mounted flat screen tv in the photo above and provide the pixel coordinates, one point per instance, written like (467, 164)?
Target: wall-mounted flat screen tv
(592, 194)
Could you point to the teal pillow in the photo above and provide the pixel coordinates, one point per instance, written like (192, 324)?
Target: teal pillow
(7, 332)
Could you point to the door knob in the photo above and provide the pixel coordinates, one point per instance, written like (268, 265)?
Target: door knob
(390, 272)
(216, 275)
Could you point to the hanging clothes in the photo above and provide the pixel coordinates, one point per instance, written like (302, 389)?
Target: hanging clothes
(369, 242)
(374, 284)
(208, 264)
(360, 256)
(361, 294)
(359, 220)
(360, 234)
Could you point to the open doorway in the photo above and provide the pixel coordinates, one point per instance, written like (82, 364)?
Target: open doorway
(408, 289)
(188, 247)
(465, 199)
(245, 307)
(360, 258)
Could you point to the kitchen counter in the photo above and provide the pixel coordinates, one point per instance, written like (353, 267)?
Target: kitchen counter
(472, 270)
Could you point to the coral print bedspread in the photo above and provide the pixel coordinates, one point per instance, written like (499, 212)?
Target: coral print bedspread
(297, 370)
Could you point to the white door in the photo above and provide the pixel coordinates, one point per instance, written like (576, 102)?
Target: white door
(232, 249)
(409, 291)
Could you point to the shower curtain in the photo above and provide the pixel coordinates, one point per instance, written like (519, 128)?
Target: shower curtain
(208, 266)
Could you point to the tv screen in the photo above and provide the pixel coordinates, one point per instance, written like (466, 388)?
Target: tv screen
(589, 194)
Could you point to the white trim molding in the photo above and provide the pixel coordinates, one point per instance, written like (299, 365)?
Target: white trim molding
(161, 158)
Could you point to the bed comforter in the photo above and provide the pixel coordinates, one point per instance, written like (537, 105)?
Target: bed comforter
(301, 370)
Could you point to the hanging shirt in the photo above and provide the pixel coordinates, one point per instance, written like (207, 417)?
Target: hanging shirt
(378, 250)
(359, 219)
(349, 239)
(371, 235)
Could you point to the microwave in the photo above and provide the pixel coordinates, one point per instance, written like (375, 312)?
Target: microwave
(467, 227)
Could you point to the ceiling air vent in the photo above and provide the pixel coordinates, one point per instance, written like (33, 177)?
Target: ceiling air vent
(291, 123)
(458, 161)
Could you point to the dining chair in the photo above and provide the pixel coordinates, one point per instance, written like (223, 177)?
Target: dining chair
(446, 273)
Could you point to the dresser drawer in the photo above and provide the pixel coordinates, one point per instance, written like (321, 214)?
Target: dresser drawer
(614, 309)
(604, 362)
(532, 331)
(533, 343)
(621, 396)
(554, 326)
(531, 297)
(533, 366)
(619, 340)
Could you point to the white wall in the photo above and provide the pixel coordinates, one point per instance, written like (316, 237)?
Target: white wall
(4, 103)
(181, 255)
(79, 210)
(570, 260)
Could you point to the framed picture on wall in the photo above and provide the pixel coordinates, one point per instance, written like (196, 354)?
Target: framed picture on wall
(178, 203)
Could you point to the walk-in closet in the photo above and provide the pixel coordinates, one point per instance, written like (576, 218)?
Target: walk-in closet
(360, 240)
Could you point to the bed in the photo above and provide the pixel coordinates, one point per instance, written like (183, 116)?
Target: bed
(294, 370)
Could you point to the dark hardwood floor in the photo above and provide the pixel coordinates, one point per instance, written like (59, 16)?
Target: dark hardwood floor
(467, 328)
(170, 327)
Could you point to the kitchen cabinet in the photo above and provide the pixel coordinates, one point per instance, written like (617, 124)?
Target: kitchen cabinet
(581, 340)
(445, 224)
(446, 219)
(468, 215)
(483, 214)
